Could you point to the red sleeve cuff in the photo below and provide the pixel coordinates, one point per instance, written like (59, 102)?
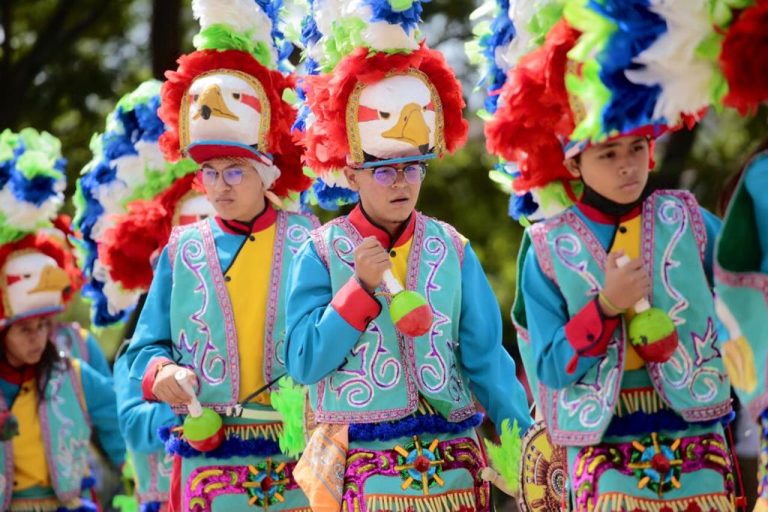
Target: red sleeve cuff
(589, 331)
(356, 305)
(148, 381)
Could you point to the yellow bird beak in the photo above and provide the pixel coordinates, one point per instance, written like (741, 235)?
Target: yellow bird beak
(52, 279)
(410, 128)
(211, 104)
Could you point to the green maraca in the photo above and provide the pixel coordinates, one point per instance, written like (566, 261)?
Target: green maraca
(203, 428)
(410, 311)
(651, 332)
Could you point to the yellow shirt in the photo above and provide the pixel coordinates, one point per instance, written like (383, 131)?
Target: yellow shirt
(628, 239)
(248, 281)
(29, 464)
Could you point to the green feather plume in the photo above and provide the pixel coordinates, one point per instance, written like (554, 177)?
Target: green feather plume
(289, 402)
(505, 458)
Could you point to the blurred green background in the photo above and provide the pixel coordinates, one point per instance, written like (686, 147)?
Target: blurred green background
(64, 64)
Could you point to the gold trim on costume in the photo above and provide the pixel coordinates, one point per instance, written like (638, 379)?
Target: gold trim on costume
(184, 136)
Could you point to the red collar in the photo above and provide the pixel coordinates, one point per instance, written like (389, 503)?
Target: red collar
(16, 376)
(367, 228)
(262, 221)
(596, 215)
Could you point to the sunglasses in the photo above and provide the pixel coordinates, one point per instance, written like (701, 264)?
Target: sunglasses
(231, 176)
(386, 175)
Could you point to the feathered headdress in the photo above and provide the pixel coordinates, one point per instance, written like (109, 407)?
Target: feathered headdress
(226, 98)
(38, 271)
(606, 69)
(379, 93)
(131, 245)
(127, 165)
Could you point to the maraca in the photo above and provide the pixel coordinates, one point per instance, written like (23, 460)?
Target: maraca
(203, 428)
(410, 311)
(652, 333)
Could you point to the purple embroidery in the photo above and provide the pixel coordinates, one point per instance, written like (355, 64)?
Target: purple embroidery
(568, 247)
(392, 363)
(362, 392)
(755, 280)
(66, 457)
(462, 453)
(434, 246)
(210, 359)
(695, 452)
(673, 214)
(206, 483)
(271, 349)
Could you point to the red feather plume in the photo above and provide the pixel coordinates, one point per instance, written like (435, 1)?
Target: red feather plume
(534, 113)
(279, 139)
(326, 141)
(127, 247)
(744, 59)
(51, 247)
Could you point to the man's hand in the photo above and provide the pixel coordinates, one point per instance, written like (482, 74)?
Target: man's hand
(371, 261)
(624, 285)
(167, 389)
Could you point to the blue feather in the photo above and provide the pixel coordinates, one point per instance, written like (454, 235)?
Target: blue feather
(36, 191)
(640, 423)
(232, 446)
(330, 197)
(152, 506)
(631, 105)
(522, 206)
(410, 426)
(93, 290)
(408, 19)
(502, 33)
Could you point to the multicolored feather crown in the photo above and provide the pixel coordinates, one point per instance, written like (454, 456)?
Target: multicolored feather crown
(129, 248)
(127, 166)
(226, 98)
(606, 69)
(380, 94)
(38, 270)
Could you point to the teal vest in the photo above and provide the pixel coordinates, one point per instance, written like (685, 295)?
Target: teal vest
(743, 289)
(693, 382)
(385, 372)
(152, 473)
(69, 340)
(66, 432)
(202, 319)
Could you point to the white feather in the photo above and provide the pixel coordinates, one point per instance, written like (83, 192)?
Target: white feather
(118, 299)
(381, 35)
(28, 216)
(671, 61)
(243, 16)
(336, 179)
(521, 12)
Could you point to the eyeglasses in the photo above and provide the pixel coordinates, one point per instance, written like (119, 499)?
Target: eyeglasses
(231, 176)
(386, 175)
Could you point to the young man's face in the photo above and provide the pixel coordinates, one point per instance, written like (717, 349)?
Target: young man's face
(617, 170)
(233, 187)
(388, 198)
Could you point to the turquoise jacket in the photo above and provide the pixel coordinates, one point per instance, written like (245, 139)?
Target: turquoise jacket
(100, 402)
(547, 314)
(318, 337)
